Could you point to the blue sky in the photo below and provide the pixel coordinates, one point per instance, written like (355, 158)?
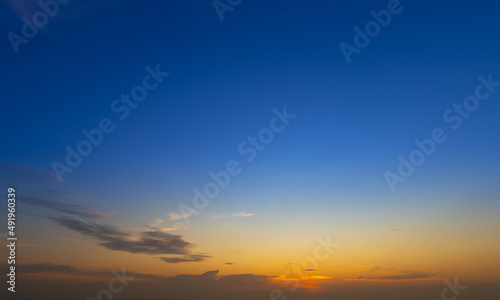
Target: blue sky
(353, 119)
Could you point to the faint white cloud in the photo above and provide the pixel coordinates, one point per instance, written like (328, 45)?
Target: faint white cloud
(176, 217)
(240, 214)
(382, 273)
(159, 221)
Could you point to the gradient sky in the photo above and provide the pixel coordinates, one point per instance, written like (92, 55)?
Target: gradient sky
(323, 175)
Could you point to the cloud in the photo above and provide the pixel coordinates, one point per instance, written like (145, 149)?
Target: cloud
(230, 264)
(390, 274)
(394, 230)
(67, 208)
(114, 238)
(241, 214)
(176, 217)
(375, 268)
(244, 281)
(207, 280)
(92, 222)
(52, 268)
(185, 258)
(408, 276)
(157, 222)
(208, 285)
(210, 281)
(155, 226)
(89, 222)
(33, 182)
(13, 173)
(45, 267)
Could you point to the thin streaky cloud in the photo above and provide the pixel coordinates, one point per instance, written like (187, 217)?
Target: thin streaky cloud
(91, 223)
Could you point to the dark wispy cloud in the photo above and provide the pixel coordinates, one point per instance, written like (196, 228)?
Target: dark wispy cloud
(52, 268)
(245, 281)
(381, 273)
(91, 223)
(409, 276)
(114, 238)
(186, 258)
(210, 285)
(66, 208)
(16, 173)
(45, 267)
(40, 183)
(211, 281)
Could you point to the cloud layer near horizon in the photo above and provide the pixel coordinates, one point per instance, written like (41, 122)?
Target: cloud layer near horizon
(92, 223)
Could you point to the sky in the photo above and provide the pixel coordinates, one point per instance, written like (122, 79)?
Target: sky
(253, 149)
